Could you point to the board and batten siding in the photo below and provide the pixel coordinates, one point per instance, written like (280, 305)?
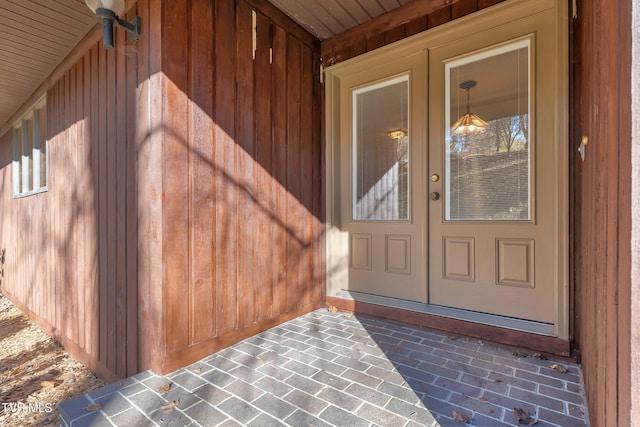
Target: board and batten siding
(243, 215)
(602, 198)
(71, 260)
(185, 205)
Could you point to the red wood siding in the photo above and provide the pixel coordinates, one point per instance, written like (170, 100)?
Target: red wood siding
(72, 251)
(602, 206)
(185, 203)
(242, 218)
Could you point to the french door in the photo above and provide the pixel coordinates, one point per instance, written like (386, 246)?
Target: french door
(448, 170)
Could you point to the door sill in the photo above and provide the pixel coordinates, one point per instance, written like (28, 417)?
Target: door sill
(520, 325)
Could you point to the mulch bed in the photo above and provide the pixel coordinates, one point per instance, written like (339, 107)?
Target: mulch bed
(36, 373)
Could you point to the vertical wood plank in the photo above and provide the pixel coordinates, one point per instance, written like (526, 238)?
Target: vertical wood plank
(156, 132)
(203, 298)
(79, 209)
(147, 240)
(279, 169)
(294, 214)
(89, 213)
(262, 284)
(177, 145)
(225, 153)
(101, 185)
(318, 208)
(121, 173)
(70, 237)
(96, 344)
(247, 208)
(307, 127)
(131, 231)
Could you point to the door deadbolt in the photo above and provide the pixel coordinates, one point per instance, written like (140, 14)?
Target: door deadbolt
(434, 196)
(435, 177)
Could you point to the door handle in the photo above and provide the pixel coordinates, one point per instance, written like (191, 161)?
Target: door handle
(434, 196)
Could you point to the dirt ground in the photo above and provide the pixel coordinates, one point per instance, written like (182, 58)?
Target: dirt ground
(36, 373)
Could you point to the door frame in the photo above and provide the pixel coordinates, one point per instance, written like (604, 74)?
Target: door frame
(337, 247)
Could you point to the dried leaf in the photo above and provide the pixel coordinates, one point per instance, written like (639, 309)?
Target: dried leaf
(197, 370)
(524, 417)
(559, 368)
(168, 408)
(348, 315)
(164, 388)
(539, 356)
(519, 354)
(332, 309)
(460, 417)
(93, 407)
(482, 399)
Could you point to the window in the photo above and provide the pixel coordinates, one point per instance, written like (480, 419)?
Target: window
(381, 151)
(488, 169)
(30, 152)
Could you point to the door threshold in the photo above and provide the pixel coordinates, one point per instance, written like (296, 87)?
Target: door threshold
(520, 325)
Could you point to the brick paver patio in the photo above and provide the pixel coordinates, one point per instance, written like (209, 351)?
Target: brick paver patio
(334, 369)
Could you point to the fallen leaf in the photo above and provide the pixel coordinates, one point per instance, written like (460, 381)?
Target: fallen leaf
(164, 388)
(93, 407)
(169, 406)
(48, 384)
(332, 309)
(482, 399)
(460, 417)
(559, 368)
(197, 370)
(519, 354)
(539, 356)
(524, 417)
(348, 315)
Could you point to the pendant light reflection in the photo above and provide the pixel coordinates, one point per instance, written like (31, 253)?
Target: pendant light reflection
(469, 123)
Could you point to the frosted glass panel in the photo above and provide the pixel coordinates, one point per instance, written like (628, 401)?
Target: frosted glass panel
(487, 162)
(381, 151)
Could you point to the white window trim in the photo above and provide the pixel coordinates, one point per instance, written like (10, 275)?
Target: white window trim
(20, 157)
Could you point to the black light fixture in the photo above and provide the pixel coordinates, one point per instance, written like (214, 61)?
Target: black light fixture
(469, 123)
(108, 11)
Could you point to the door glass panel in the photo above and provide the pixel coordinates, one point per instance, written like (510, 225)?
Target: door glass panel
(381, 151)
(487, 140)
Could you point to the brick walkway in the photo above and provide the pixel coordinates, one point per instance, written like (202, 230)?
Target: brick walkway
(332, 369)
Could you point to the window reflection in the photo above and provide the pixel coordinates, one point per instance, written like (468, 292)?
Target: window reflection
(381, 151)
(488, 170)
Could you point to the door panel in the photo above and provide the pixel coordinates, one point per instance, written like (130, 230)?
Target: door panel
(492, 231)
(382, 191)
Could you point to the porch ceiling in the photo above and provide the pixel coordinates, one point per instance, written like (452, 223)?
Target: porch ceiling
(36, 35)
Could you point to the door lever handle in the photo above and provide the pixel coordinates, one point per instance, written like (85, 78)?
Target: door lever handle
(434, 196)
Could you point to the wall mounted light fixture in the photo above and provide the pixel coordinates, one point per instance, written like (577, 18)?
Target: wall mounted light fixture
(469, 123)
(108, 11)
